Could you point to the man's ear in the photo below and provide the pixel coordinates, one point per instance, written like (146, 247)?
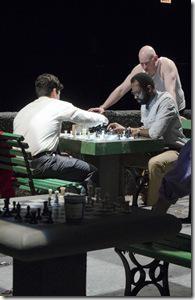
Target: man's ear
(149, 88)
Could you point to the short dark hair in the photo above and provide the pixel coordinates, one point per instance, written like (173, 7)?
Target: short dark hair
(143, 79)
(45, 83)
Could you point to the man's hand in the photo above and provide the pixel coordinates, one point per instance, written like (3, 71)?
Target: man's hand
(99, 110)
(135, 132)
(116, 127)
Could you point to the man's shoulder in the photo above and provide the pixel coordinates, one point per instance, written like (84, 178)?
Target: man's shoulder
(164, 97)
(166, 62)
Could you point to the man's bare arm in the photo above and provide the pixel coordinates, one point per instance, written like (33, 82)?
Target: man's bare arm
(118, 93)
(169, 73)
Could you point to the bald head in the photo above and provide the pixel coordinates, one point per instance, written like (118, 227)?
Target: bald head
(146, 53)
(147, 59)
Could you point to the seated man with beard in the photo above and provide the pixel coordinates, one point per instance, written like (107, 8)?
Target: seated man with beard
(160, 118)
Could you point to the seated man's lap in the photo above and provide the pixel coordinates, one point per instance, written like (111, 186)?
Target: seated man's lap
(62, 167)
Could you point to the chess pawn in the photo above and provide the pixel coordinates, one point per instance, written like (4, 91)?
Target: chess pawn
(62, 190)
(39, 214)
(6, 204)
(14, 207)
(18, 216)
(84, 131)
(50, 193)
(56, 199)
(28, 215)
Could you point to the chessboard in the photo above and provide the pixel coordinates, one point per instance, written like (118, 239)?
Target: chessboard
(98, 136)
(49, 209)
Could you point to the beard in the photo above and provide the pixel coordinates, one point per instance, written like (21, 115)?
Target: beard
(142, 98)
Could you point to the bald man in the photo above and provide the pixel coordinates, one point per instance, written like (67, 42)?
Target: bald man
(163, 72)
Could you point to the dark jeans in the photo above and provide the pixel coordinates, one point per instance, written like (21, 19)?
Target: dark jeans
(65, 168)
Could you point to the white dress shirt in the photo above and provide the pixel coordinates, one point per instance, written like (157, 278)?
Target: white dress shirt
(40, 122)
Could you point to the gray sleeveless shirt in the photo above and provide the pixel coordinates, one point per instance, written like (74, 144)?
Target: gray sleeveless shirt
(160, 86)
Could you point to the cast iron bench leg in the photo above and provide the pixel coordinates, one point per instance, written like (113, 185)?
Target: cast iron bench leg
(133, 286)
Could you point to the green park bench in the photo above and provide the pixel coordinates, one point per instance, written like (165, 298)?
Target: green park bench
(15, 157)
(176, 251)
(187, 127)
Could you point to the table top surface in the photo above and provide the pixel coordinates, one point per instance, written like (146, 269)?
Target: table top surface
(98, 230)
(109, 145)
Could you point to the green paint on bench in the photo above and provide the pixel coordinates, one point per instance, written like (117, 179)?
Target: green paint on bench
(13, 156)
(176, 251)
(187, 127)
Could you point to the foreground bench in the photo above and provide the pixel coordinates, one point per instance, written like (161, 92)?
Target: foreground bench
(175, 250)
(50, 259)
(14, 156)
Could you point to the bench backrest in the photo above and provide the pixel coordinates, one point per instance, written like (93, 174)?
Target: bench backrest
(13, 156)
(187, 126)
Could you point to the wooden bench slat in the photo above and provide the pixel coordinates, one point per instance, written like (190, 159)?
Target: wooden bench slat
(12, 144)
(163, 252)
(15, 160)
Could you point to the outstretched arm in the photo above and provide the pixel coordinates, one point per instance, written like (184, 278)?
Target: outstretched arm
(118, 93)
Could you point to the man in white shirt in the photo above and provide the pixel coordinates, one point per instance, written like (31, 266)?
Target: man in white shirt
(160, 118)
(40, 123)
(163, 72)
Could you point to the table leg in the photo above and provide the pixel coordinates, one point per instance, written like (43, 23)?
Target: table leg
(110, 179)
(61, 276)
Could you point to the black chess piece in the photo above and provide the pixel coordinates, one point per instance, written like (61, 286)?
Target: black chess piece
(56, 200)
(39, 218)
(127, 132)
(6, 203)
(49, 201)
(45, 209)
(14, 207)
(28, 214)
(6, 213)
(33, 219)
(50, 220)
(18, 210)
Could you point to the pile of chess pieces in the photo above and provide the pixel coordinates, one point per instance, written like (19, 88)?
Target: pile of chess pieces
(98, 133)
(51, 210)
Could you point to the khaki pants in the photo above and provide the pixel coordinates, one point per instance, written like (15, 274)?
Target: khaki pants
(157, 165)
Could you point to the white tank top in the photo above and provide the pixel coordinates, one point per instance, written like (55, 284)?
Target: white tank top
(159, 85)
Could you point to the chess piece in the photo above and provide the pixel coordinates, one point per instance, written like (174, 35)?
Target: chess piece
(50, 220)
(39, 214)
(62, 190)
(6, 204)
(56, 199)
(14, 207)
(6, 212)
(49, 197)
(45, 208)
(28, 215)
(33, 219)
(18, 210)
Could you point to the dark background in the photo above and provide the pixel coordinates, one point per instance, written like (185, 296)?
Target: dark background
(90, 45)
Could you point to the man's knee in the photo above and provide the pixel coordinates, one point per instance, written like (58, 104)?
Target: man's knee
(155, 164)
